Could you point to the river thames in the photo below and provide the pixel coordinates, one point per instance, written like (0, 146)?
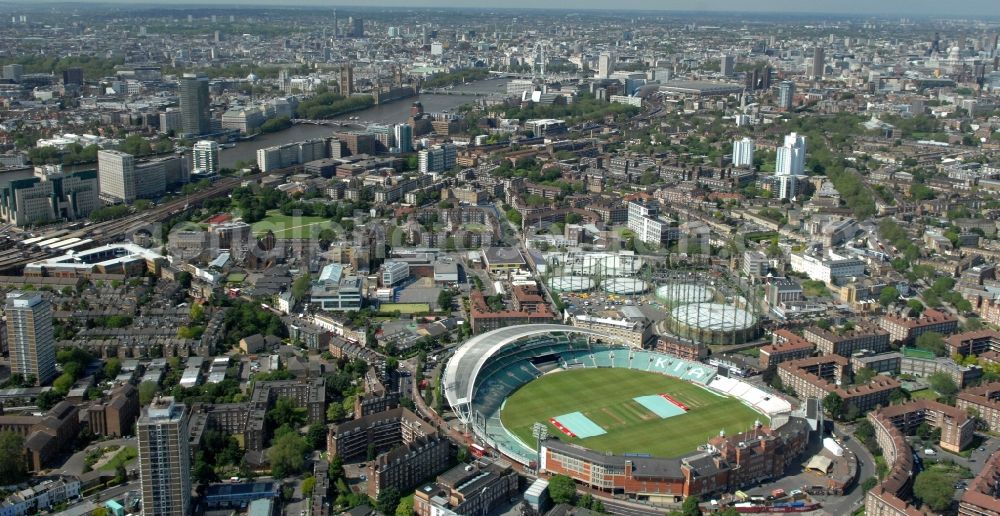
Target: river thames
(389, 113)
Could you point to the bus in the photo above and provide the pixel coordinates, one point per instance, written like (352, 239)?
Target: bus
(477, 451)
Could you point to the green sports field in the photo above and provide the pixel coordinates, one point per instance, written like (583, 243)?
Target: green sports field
(288, 226)
(404, 308)
(605, 397)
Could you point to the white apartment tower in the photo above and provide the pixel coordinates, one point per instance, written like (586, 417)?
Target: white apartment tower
(790, 166)
(116, 176)
(791, 157)
(438, 158)
(205, 158)
(743, 153)
(649, 227)
(605, 65)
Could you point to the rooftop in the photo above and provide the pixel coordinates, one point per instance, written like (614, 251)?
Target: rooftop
(929, 317)
(503, 255)
(463, 367)
(104, 256)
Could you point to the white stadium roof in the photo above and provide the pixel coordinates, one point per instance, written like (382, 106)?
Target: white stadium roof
(463, 367)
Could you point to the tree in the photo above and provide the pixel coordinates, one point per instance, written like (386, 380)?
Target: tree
(915, 306)
(562, 489)
(931, 341)
(316, 436)
(335, 412)
(121, 475)
(934, 488)
(897, 396)
(197, 313)
(184, 279)
(943, 384)
(865, 432)
(514, 217)
(13, 467)
(202, 470)
(308, 485)
(868, 484)
(287, 454)
(864, 375)
(444, 300)
(973, 324)
(63, 383)
(405, 507)
(300, 287)
(833, 404)
(146, 392)
(48, 399)
(137, 145)
(112, 367)
(285, 412)
(888, 296)
(387, 501)
(691, 506)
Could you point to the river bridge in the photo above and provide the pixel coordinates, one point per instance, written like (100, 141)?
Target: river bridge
(333, 123)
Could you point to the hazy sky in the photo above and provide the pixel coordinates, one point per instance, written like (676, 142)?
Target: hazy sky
(902, 7)
(977, 8)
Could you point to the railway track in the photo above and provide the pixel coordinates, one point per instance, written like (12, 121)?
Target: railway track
(16, 258)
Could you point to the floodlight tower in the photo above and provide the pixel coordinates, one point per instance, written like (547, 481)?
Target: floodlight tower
(541, 433)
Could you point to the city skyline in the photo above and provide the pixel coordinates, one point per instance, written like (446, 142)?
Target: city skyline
(418, 257)
(895, 8)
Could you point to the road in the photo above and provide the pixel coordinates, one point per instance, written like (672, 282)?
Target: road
(298, 504)
(831, 504)
(117, 491)
(866, 469)
(976, 459)
(615, 506)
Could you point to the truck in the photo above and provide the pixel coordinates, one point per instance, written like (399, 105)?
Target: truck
(778, 493)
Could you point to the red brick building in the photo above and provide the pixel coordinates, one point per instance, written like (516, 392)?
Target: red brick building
(117, 416)
(974, 342)
(786, 346)
(484, 319)
(982, 498)
(985, 400)
(725, 464)
(905, 330)
(957, 428)
(816, 377)
(686, 349)
(850, 342)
